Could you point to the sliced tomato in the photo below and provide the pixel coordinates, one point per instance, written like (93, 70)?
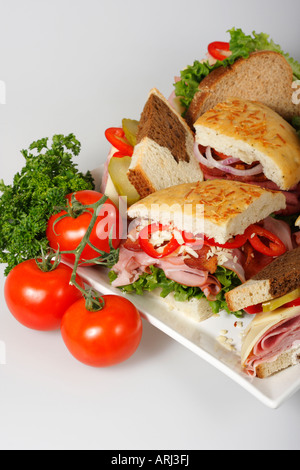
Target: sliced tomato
(220, 154)
(116, 136)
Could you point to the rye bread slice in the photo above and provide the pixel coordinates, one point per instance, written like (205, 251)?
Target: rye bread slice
(164, 153)
(277, 279)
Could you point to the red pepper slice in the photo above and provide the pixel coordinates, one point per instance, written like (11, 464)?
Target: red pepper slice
(119, 155)
(235, 242)
(190, 240)
(255, 234)
(258, 308)
(292, 303)
(215, 47)
(116, 136)
(253, 309)
(149, 249)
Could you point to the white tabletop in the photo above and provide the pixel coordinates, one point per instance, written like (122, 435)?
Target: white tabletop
(81, 66)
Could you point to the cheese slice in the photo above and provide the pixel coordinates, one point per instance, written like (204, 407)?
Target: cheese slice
(261, 323)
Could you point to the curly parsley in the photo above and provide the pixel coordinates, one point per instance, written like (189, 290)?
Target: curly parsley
(25, 206)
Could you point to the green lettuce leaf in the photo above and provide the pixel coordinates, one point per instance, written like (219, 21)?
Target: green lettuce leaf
(157, 279)
(241, 45)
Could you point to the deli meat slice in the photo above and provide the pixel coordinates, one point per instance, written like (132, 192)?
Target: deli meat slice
(278, 339)
(132, 264)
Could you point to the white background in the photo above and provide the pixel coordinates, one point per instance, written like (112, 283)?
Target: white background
(81, 66)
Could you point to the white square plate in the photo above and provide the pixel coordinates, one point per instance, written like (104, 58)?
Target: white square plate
(202, 338)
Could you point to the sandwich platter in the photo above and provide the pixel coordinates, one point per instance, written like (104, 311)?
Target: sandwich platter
(216, 340)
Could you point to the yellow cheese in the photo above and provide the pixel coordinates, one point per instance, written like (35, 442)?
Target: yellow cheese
(261, 323)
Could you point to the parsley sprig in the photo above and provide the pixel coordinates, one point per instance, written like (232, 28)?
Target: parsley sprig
(48, 175)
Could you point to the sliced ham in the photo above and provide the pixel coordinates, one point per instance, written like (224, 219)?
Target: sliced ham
(195, 271)
(132, 264)
(278, 339)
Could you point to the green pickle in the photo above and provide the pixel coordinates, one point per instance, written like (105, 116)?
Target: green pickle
(130, 128)
(117, 169)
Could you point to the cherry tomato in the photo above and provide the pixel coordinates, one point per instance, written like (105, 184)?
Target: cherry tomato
(105, 337)
(67, 233)
(116, 136)
(38, 299)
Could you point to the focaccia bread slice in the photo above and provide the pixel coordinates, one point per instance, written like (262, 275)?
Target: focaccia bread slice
(253, 132)
(220, 209)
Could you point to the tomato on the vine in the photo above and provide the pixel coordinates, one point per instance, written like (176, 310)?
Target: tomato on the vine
(66, 234)
(104, 337)
(38, 299)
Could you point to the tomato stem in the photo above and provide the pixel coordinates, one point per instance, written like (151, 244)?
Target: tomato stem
(45, 262)
(94, 302)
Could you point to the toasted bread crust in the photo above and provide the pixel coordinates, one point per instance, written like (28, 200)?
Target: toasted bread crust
(265, 76)
(285, 360)
(139, 179)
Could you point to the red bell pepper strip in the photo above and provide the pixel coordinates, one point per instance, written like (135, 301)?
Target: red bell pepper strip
(253, 309)
(236, 242)
(149, 249)
(116, 136)
(265, 242)
(190, 240)
(292, 303)
(215, 47)
(119, 155)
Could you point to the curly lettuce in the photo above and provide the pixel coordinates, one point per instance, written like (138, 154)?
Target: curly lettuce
(147, 282)
(241, 45)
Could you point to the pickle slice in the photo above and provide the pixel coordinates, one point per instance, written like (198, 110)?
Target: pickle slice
(130, 128)
(117, 169)
(284, 299)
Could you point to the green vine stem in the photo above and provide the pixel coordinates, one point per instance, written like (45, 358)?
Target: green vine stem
(94, 301)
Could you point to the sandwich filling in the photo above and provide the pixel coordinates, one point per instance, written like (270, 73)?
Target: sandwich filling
(161, 256)
(270, 338)
(246, 141)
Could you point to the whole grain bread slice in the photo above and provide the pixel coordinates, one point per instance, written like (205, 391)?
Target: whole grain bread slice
(265, 76)
(277, 279)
